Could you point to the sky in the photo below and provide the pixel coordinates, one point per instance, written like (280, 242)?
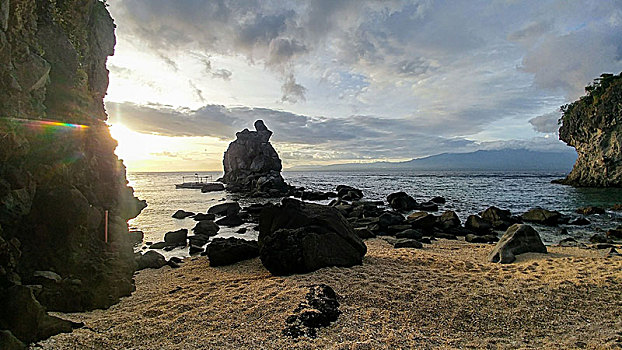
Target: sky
(341, 81)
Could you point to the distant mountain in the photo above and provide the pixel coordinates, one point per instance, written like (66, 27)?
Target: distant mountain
(495, 160)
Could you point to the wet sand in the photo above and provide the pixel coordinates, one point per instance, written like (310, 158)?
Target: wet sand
(443, 296)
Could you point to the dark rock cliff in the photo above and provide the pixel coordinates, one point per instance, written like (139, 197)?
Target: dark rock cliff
(58, 171)
(593, 125)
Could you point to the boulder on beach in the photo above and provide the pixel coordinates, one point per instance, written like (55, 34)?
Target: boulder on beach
(499, 219)
(477, 225)
(448, 220)
(299, 237)
(206, 227)
(518, 239)
(422, 220)
(176, 238)
(230, 220)
(252, 165)
(407, 243)
(542, 216)
(401, 201)
(227, 251)
(150, 260)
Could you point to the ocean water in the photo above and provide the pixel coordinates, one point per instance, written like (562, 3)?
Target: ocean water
(466, 193)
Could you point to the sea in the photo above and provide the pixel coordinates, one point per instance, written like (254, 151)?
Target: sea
(466, 193)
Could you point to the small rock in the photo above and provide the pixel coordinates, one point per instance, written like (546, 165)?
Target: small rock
(481, 239)
(590, 210)
(614, 233)
(477, 224)
(158, 245)
(438, 200)
(227, 251)
(599, 238)
(409, 233)
(182, 214)
(568, 242)
(542, 216)
(401, 201)
(202, 216)
(407, 243)
(230, 221)
(319, 309)
(449, 219)
(241, 230)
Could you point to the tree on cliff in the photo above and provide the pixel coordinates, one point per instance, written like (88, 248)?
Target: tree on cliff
(593, 126)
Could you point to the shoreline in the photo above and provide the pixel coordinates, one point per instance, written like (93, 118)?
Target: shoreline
(442, 296)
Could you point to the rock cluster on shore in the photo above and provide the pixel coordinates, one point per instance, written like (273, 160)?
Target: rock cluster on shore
(593, 126)
(58, 180)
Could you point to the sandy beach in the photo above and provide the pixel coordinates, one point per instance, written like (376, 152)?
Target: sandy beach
(443, 296)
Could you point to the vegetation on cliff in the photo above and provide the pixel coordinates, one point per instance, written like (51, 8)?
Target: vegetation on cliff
(58, 171)
(593, 125)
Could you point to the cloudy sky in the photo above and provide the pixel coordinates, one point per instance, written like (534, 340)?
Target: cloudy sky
(343, 81)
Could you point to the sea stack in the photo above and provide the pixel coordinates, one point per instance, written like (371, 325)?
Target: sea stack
(252, 165)
(64, 199)
(593, 126)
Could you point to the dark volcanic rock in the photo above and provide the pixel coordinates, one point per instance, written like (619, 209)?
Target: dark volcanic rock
(230, 220)
(590, 210)
(150, 260)
(251, 164)
(319, 309)
(349, 193)
(615, 233)
(599, 238)
(212, 187)
(518, 239)
(471, 238)
(389, 219)
(225, 209)
(542, 216)
(477, 224)
(422, 220)
(449, 219)
(410, 233)
(427, 206)
(299, 237)
(182, 214)
(206, 228)
(401, 201)
(27, 319)
(438, 200)
(407, 243)
(176, 238)
(201, 217)
(499, 219)
(227, 251)
(593, 126)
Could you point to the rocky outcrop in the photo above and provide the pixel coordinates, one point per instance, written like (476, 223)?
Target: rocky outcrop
(593, 126)
(299, 237)
(319, 309)
(58, 171)
(252, 165)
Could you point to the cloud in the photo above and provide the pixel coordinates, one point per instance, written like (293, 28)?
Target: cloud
(292, 91)
(198, 92)
(299, 137)
(410, 69)
(546, 123)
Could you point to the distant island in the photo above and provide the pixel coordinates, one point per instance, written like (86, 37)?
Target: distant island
(483, 160)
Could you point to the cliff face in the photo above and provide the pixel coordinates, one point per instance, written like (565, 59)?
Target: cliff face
(593, 125)
(58, 179)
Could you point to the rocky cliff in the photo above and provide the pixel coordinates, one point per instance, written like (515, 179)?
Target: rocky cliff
(593, 125)
(252, 165)
(58, 171)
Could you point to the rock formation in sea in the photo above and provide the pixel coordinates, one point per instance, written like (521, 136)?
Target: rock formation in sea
(58, 171)
(252, 165)
(593, 126)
